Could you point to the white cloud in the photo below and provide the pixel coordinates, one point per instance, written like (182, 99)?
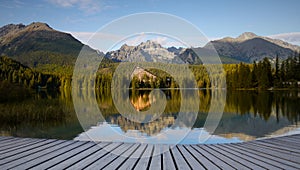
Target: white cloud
(88, 6)
(292, 37)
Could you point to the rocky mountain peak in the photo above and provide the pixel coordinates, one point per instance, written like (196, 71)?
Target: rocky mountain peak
(35, 26)
(149, 44)
(124, 47)
(145, 51)
(10, 28)
(246, 36)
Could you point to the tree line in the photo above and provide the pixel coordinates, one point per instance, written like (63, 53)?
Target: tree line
(262, 75)
(15, 73)
(259, 75)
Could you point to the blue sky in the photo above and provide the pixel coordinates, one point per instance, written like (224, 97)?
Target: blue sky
(214, 18)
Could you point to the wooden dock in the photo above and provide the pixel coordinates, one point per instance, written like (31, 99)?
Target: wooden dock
(27, 153)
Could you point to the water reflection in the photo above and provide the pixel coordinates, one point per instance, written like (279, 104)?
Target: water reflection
(41, 114)
(248, 115)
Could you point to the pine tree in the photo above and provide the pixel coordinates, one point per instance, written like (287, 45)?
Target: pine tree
(276, 76)
(254, 74)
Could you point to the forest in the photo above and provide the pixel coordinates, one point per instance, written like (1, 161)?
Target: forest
(258, 75)
(263, 75)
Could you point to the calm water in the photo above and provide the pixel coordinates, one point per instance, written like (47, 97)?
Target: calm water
(248, 115)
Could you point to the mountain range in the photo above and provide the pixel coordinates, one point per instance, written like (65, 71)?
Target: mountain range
(38, 44)
(248, 47)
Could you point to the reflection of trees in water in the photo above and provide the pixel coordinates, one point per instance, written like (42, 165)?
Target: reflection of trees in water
(51, 114)
(265, 103)
(288, 105)
(257, 103)
(43, 114)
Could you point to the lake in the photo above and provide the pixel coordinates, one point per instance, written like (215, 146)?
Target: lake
(248, 115)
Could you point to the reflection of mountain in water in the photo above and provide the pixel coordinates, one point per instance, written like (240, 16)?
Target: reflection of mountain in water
(248, 114)
(151, 128)
(248, 127)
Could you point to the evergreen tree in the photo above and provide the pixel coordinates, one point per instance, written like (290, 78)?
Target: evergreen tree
(276, 74)
(254, 73)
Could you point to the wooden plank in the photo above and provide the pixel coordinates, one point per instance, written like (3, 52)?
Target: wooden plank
(222, 164)
(94, 157)
(229, 158)
(156, 159)
(274, 147)
(107, 159)
(276, 153)
(19, 156)
(146, 157)
(80, 156)
(23, 153)
(287, 142)
(190, 159)
(38, 154)
(19, 146)
(297, 136)
(253, 160)
(280, 162)
(296, 141)
(208, 164)
(122, 158)
(132, 160)
(24, 150)
(15, 143)
(179, 160)
(168, 162)
(11, 141)
(284, 144)
(65, 156)
(51, 155)
(5, 138)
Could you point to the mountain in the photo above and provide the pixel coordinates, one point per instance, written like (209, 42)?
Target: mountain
(148, 51)
(249, 47)
(151, 51)
(38, 44)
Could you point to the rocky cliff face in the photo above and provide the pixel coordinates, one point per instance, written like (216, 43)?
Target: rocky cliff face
(148, 51)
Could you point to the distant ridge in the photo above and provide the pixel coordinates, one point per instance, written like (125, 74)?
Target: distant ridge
(249, 47)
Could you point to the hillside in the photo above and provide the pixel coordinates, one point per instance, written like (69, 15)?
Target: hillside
(37, 44)
(17, 74)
